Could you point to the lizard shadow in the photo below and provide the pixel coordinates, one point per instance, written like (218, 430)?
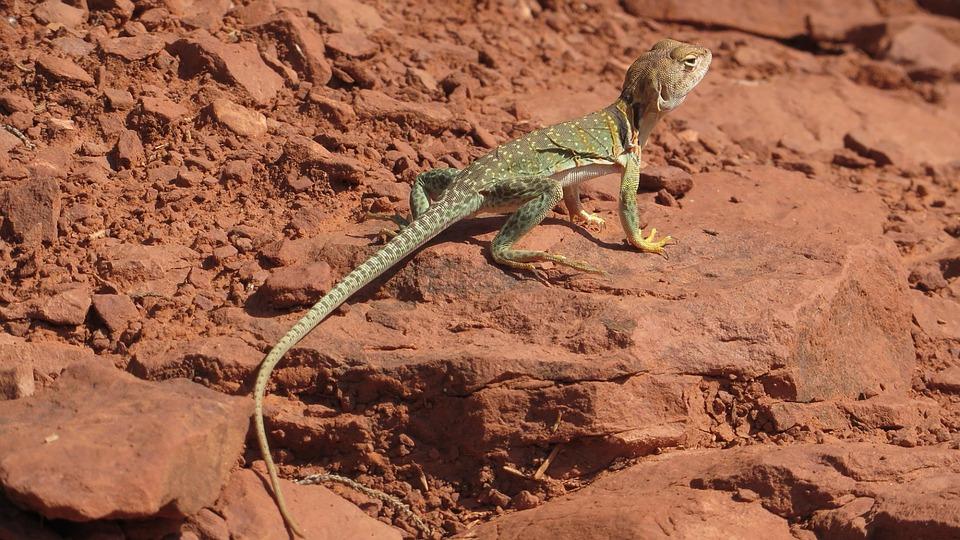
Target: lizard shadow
(463, 232)
(466, 231)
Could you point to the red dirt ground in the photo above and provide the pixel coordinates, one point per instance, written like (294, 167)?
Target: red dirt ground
(179, 179)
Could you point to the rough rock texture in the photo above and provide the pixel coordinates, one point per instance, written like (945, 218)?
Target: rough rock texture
(851, 491)
(775, 18)
(249, 512)
(30, 210)
(74, 453)
(239, 119)
(229, 63)
(813, 316)
(216, 362)
(180, 179)
(25, 366)
(63, 70)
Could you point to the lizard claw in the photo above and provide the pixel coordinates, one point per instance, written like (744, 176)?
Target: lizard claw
(589, 221)
(650, 244)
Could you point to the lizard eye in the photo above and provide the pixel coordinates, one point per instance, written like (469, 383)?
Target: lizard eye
(690, 61)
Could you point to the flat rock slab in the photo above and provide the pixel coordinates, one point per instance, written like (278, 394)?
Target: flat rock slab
(792, 289)
(27, 366)
(251, 513)
(852, 490)
(101, 444)
(816, 113)
(781, 18)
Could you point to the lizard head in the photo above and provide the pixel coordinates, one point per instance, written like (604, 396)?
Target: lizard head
(665, 74)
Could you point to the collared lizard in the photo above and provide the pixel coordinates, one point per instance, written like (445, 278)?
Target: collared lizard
(528, 177)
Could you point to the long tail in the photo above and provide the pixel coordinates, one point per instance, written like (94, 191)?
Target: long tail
(428, 225)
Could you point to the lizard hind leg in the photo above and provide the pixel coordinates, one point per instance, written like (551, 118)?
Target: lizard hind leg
(427, 186)
(528, 216)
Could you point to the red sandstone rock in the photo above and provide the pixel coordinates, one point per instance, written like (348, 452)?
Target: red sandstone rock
(151, 270)
(238, 63)
(219, 362)
(687, 495)
(296, 285)
(16, 379)
(135, 47)
(339, 15)
(116, 311)
(30, 210)
(165, 110)
(74, 453)
(123, 8)
(374, 104)
(11, 102)
(675, 180)
(781, 19)
(247, 507)
(61, 69)
(353, 44)
(305, 49)
(66, 308)
(128, 152)
(56, 12)
(785, 318)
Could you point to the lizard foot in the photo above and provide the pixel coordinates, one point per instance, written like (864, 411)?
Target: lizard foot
(589, 221)
(579, 265)
(527, 258)
(386, 235)
(396, 218)
(650, 245)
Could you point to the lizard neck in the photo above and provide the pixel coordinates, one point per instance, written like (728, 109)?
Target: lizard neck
(640, 120)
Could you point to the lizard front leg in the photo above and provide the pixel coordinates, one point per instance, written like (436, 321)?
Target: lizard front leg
(571, 199)
(628, 210)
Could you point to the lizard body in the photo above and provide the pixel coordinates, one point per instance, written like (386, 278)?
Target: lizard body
(528, 177)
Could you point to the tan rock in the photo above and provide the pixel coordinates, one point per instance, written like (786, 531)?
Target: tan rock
(239, 119)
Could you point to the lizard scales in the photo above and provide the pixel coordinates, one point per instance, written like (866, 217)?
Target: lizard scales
(528, 177)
